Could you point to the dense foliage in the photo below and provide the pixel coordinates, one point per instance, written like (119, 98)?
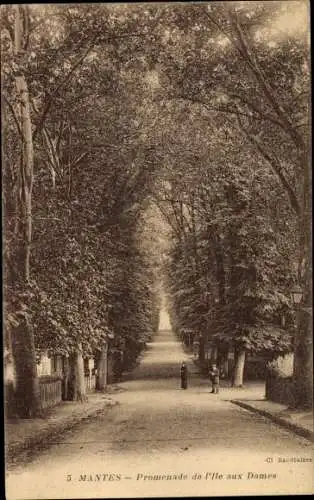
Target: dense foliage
(200, 110)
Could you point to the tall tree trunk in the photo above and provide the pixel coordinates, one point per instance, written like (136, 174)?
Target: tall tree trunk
(201, 351)
(237, 379)
(102, 369)
(303, 355)
(23, 345)
(77, 389)
(65, 379)
(303, 361)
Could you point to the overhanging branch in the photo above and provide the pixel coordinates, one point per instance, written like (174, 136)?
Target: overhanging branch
(276, 167)
(61, 84)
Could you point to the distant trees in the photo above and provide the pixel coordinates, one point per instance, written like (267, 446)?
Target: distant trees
(134, 299)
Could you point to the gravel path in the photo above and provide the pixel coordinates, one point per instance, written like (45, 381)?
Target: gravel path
(164, 441)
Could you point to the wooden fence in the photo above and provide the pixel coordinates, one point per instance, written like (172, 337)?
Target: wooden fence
(50, 391)
(50, 387)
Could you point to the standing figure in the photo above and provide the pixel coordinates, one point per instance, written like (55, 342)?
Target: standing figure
(214, 378)
(184, 376)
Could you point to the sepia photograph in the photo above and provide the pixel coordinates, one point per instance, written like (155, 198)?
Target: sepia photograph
(157, 249)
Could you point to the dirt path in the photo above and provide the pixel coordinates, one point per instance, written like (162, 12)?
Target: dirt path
(160, 430)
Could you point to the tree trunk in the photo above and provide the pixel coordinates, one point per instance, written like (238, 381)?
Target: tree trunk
(77, 389)
(102, 368)
(303, 355)
(65, 379)
(23, 345)
(117, 366)
(201, 352)
(27, 158)
(97, 363)
(303, 362)
(27, 393)
(225, 368)
(237, 380)
(214, 355)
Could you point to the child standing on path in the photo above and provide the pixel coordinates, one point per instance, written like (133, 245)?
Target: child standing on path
(214, 378)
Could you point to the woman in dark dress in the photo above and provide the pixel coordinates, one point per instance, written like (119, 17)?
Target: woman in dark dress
(184, 376)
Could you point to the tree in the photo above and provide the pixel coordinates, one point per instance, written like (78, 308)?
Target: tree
(18, 272)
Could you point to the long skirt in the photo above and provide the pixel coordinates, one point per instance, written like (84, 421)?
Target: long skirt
(184, 382)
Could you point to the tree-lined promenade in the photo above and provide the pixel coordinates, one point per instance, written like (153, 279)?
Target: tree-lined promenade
(155, 141)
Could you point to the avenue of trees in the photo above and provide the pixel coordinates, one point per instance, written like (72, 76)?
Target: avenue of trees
(199, 110)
